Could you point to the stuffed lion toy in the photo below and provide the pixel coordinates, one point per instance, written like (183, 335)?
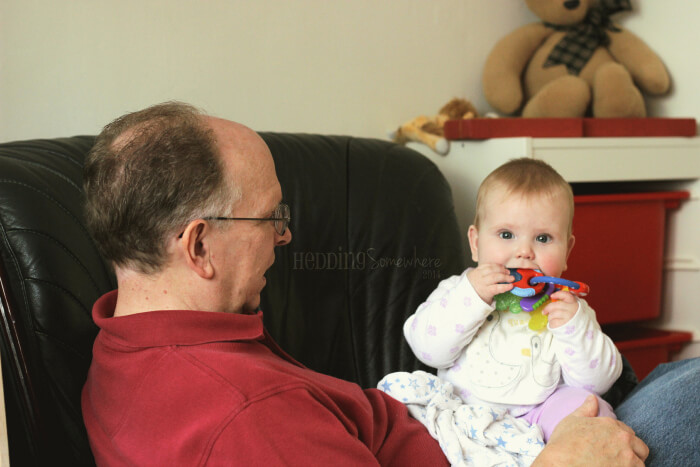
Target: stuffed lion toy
(429, 130)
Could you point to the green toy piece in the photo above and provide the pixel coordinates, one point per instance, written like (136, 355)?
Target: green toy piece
(508, 301)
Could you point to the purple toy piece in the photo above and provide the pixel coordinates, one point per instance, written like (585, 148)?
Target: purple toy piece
(528, 303)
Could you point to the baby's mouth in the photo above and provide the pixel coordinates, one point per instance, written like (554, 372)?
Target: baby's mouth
(529, 266)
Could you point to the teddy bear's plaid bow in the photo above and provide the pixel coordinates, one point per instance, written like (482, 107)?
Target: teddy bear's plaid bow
(576, 47)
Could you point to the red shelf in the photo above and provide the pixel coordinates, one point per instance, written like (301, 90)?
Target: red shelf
(485, 128)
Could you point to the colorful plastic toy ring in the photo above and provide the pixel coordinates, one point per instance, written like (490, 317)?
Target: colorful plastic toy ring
(522, 284)
(530, 282)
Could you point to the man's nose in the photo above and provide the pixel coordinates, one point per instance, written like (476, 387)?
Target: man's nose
(284, 239)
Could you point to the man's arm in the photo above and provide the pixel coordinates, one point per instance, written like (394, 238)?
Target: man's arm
(297, 428)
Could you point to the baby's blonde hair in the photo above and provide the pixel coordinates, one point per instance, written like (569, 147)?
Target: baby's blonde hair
(525, 176)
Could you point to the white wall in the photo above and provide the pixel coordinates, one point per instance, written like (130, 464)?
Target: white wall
(358, 67)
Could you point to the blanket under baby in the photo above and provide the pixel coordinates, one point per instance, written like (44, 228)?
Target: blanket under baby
(469, 435)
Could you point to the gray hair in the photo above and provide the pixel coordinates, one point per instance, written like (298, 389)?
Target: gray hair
(150, 173)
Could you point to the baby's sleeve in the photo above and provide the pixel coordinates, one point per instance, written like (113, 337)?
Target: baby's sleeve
(446, 322)
(589, 358)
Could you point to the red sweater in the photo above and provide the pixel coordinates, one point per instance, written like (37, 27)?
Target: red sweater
(201, 388)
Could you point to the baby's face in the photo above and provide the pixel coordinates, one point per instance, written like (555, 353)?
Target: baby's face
(529, 232)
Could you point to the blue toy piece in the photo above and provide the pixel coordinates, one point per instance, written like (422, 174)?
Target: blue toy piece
(578, 288)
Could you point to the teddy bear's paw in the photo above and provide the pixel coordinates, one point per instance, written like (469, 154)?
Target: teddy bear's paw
(615, 95)
(568, 96)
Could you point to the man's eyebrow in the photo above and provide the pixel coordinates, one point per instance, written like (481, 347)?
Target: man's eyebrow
(271, 212)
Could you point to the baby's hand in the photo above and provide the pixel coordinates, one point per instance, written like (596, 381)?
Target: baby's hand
(488, 280)
(562, 308)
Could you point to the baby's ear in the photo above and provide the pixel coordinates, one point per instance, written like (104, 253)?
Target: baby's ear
(473, 235)
(569, 247)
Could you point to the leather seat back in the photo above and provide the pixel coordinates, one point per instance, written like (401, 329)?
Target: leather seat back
(374, 231)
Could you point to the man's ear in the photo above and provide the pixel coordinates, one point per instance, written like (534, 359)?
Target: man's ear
(473, 235)
(569, 247)
(196, 249)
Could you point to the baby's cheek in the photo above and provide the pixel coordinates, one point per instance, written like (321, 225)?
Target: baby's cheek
(551, 268)
(552, 263)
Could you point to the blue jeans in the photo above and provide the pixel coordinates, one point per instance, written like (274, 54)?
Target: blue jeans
(664, 411)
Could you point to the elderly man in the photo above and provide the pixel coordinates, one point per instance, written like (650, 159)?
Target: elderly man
(188, 209)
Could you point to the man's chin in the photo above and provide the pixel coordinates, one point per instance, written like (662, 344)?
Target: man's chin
(252, 306)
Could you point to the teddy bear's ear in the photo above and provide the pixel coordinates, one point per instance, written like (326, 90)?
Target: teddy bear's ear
(560, 12)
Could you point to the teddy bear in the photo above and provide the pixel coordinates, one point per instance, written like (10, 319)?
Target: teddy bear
(430, 130)
(574, 63)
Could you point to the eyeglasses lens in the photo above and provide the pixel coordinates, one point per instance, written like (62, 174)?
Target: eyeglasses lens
(282, 212)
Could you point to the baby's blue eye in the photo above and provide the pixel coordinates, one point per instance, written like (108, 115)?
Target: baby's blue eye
(506, 235)
(544, 238)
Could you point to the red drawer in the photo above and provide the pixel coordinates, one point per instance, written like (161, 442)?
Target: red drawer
(619, 252)
(645, 348)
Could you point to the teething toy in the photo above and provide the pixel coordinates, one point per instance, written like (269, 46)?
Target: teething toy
(529, 282)
(531, 293)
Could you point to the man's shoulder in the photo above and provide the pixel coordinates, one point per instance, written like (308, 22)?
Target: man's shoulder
(175, 400)
(212, 381)
(243, 370)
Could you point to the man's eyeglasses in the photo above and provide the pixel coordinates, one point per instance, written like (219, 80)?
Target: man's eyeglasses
(281, 217)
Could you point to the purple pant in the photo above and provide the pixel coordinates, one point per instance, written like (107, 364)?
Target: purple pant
(561, 403)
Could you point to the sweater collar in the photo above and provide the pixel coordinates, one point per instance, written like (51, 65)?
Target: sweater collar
(175, 327)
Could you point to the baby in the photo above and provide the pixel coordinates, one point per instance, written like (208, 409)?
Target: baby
(524, 214)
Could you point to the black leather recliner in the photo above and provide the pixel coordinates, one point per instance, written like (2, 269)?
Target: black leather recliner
(374, 231)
